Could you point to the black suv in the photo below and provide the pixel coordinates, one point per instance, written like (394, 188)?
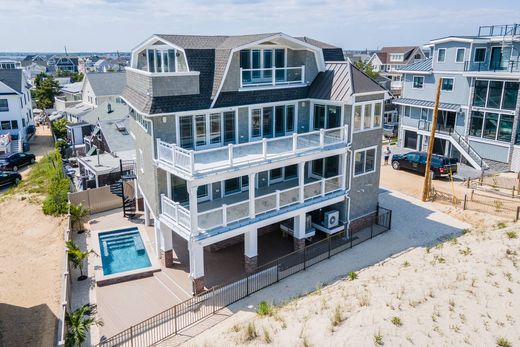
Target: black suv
(15, 161)
(7, 178)
(416, 161)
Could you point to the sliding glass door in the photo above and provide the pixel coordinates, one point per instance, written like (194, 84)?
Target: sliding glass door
(204, 130)
(272, 121)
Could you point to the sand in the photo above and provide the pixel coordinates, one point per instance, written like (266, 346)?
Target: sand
(462, 292)
(31, 265)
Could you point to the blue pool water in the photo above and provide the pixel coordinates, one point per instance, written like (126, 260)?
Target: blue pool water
(122, 250)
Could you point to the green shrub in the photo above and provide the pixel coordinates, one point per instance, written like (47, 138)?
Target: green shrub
(512, 234)
(396, 321)
(502, 342)
(264, 309)
(352, 275)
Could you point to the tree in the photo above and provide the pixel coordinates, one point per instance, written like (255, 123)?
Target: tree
(77, 257)
(39, 79)
(59, 128)
(74, 76)
(78, 324)
(46, 92)
(77, 213)
(367, 68)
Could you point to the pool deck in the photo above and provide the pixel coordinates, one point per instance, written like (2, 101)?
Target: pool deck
(124, 304)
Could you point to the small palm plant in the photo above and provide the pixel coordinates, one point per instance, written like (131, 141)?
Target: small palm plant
(78, 324)
(77, 257)
(77, 214)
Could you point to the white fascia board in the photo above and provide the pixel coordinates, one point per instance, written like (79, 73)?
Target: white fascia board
(414, 72)
(457, 39)
(151, 40)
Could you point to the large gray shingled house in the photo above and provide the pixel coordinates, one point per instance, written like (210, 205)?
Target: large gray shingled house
(239, 136)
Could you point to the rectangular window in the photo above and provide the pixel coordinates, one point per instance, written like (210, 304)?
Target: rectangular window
(267, 122)
(377, 114)
(232, 186)
(319, 116)
(357, 118)
(333, 117)
(186, 132)
(291, 172)
(200, 130)
(202, 191)
(279, 61)
(268, 63)
(418, 82)
(289, 123)
(367, 116)
(494, 94)
(245, 63)
(4, 106)
(441, 55)
(447, 84)
(275, 175)
(229, 127)
(505, 128)
(480, 93)
(256, 128)
(510, 95)
(279, 117)
(331, 166)
(14, 124)
(151, 60)
(5, 125)
(480, 55)
(460, 55)
(490, 126)
(364, 161)
(215, 133)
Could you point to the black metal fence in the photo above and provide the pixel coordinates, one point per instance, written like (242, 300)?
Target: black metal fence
(186, 313)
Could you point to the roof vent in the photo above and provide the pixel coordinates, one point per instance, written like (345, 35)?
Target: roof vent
(109, 108)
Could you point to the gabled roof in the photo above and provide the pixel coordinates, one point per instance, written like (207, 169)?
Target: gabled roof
(13, 78)
(384, 53)
(107, 84)
(340, 81)
(330, 52)
(119, 111)
(116, 135)
(423, 66)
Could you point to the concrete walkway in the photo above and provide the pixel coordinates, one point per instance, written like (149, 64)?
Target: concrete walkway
(414, 224)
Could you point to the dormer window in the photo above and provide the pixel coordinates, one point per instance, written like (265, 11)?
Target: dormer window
(396, 57)
(161, 60)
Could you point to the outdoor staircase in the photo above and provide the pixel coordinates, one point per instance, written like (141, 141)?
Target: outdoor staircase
(465, 149)
(15, 146)
(127, 170)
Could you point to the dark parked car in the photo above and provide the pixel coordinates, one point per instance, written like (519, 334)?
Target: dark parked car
(416, 161)
(15, 161)
(7, 178)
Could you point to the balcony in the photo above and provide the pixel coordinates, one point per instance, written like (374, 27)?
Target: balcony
(499, 30)
(498, 67)
(186, 162)
(232, 211)
(272, 77)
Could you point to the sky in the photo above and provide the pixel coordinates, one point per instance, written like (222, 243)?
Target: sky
(110, 25)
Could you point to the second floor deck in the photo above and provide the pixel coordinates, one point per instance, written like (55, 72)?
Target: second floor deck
(184, 162)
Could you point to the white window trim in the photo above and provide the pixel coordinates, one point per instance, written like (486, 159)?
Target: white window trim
(452, 85)
(272, 105)
(207, 119)
(475, 54)
(413, 82)
(362, 104)
(354, 161)
(438, 55)
(463, 55)
(311, 114)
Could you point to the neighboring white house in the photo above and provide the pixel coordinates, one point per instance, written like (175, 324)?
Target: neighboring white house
(15, 108)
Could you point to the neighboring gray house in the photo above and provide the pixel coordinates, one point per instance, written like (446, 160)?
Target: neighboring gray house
(478, 112)
(238, 134)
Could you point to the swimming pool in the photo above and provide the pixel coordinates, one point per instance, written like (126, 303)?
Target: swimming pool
(122, 250)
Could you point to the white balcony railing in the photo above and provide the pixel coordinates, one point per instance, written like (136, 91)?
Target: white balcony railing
(273, 76)
(238, 155)
(225, 215)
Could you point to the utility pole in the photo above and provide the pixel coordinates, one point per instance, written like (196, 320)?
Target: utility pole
(427, 181)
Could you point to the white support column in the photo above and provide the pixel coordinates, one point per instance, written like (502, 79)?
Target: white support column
(294, 142)
(301, 181)
(343, 171)
(146, 214)
(230, 155)
(166, 243)
(252, 211)
(192, 191)
(136, 195)
(299, 231)
(196, 251)
(251, 250)
(157, 229)
(169, 185)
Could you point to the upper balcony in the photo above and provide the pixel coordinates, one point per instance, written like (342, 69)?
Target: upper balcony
(499, 30)
(189, 163)
(274, 76)
(502, 66)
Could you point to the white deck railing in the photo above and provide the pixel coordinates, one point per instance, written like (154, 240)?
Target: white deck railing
(226, 214)
(235, 155)
(273, 76)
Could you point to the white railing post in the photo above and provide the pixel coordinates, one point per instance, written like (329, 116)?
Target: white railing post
(230, 154)
(344, 171)
(301, 181)
(323, 187)
(303, 74)
(174, 148)
(345, 133)
(158, 143)
(264, 148)
(252, 211)
(194, 215)
(176, 211)
(273, 77)
(162, 203)
(322, 138)
(294, 142)
(224, 214)
(241, 78)
(277, 200)
(192, 161)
